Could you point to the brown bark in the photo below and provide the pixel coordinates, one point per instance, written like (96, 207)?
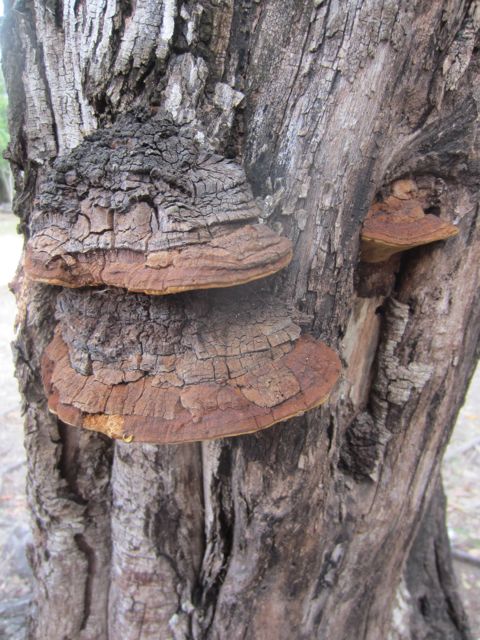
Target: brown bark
(304, 530)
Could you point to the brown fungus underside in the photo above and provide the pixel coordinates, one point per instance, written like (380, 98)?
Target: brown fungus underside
(182, 368)
(399, 222)
(145, 205)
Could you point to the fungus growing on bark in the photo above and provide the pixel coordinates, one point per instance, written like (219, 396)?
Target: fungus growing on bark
(181, 369)
(144, 205)
(399, 223)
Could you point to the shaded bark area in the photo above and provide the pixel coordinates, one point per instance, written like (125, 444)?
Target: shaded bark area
(436, 609)
(68, 487)
(302, 531)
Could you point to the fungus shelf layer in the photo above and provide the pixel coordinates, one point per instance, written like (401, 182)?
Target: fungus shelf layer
(143, 205)
(396, 225)
(182, 368)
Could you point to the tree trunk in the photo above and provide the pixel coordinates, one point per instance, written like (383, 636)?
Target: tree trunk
(305, 530)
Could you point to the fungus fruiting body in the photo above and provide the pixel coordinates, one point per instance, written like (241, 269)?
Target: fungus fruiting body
(182, 368)
(231, 258)
(144, 205)
(400, 223)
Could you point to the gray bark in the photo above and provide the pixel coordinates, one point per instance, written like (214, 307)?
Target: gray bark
(304, 530)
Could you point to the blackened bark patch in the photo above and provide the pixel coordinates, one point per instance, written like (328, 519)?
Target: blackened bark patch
(360, 449)
(89, 554)
(226, 514)
(68, 463)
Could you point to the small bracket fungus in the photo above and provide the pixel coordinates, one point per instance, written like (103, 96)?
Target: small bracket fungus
(399, 223)
(181, 368)
(143, 205)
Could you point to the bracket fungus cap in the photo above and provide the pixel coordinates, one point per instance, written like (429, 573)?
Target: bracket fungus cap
(144, 205)
(397, 224)
(231, 366)
(248, 253)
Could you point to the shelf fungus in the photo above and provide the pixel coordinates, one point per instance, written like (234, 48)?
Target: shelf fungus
(181, 368)
(400, 223)
(144, 205)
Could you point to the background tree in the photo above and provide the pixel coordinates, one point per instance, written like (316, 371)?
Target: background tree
(5, 175)
(329, 525)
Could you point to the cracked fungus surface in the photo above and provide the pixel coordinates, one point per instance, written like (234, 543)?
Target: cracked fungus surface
(183, 368)
(144, 205)
(396, 225)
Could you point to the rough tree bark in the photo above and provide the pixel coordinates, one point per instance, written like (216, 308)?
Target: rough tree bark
(305, 530)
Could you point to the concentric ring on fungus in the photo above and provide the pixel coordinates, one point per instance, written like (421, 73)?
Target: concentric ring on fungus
(182, 368)
(395, 225)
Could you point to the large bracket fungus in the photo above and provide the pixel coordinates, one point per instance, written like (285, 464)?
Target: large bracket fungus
(147, 206)
(181, 368)
(398, 223)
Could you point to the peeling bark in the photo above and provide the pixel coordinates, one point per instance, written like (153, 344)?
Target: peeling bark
(305, 530)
